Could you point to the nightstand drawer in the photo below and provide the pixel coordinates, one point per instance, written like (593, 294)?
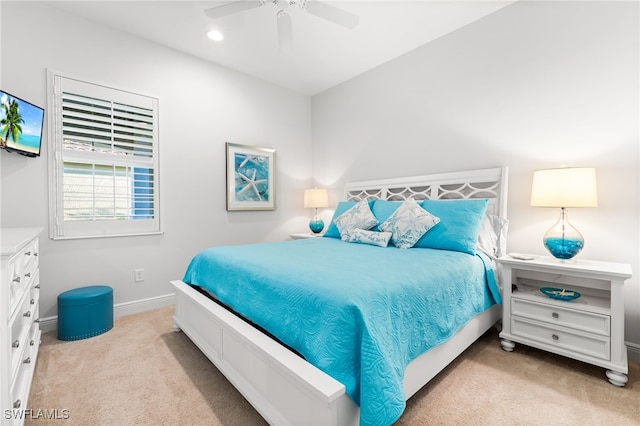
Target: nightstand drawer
(562, 339)
(578, 319)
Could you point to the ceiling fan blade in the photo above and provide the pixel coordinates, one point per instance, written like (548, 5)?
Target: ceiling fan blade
(285, 32)
(233, 7)
(332, 13)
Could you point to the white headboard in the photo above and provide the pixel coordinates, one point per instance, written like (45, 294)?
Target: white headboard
(485, 183)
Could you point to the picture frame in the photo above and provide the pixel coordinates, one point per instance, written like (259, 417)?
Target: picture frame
(250, 177)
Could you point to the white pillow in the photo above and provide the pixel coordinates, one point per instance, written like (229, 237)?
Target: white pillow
(380, 239)
(492, 239)
(357, 217)
(408, 224)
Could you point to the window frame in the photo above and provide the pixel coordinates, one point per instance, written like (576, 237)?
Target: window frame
(59, 228)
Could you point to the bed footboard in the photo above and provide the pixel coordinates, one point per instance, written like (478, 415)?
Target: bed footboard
(281, 386)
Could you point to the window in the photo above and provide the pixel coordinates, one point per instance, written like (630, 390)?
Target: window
(104, 161)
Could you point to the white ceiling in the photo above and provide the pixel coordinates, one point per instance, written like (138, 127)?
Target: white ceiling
(324, 54)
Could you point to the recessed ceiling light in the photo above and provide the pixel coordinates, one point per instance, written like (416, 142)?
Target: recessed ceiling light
(215, 35)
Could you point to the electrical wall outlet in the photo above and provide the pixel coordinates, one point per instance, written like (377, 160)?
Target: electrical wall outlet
(138, 275)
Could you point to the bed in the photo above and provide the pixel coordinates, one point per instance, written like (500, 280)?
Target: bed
(285, 343)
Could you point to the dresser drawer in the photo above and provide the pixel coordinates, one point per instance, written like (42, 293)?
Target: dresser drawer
(20, 328)
(15, 268)
(34, 291)
(30, 254)
(569, 340)
(21, 270)
(566, 317)
(19, 391)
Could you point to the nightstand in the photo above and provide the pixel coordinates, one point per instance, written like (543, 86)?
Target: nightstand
(304, 235)
(589, 328)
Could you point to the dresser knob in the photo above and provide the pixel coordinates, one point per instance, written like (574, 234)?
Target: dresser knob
(31, 343)
(555, 337)
(28, 274)
(17, 404)
(555, 315)
(27, 253)
(15, 344)
(16, 280)
(27, 360)
(37, 286)
(27, 314)
(33, 301)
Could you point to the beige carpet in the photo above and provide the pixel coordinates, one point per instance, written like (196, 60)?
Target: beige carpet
(143, 373)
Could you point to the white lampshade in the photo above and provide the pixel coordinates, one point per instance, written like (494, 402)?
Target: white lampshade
(564, 187)
(316, 198)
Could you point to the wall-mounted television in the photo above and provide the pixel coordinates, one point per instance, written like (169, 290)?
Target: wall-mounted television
(21, 125)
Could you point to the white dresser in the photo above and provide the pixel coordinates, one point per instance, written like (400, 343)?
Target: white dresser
(19, 325)
(589, 328)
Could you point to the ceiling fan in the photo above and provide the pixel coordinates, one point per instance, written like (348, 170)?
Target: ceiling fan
(285, 33)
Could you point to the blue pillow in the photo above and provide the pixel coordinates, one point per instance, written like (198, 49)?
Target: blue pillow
(459, 227)
(343, 206)
(382, 210)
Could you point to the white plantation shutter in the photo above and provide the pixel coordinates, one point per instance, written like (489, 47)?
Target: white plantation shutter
(105, 168)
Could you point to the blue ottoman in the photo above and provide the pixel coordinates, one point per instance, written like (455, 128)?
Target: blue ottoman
(85, 312)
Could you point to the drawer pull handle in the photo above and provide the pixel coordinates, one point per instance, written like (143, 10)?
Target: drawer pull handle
(27, 360)
(555, 315)
(16, 280)
(27, 314)
(28, 274)
(15, 344)
(555, 337)
(17, 404)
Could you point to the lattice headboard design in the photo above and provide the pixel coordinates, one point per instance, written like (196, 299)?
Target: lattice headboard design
(486, 183)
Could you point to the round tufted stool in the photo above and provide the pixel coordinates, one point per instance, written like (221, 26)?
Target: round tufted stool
(85, 312)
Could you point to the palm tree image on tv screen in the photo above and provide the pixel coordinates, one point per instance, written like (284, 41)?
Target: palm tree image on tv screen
(20, 125)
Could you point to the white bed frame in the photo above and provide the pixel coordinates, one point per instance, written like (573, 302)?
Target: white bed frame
(283, 387)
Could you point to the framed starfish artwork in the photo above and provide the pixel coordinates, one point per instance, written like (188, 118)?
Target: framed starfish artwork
(250, 177)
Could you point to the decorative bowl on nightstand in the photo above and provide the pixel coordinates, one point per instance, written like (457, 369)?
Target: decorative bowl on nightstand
(560, 293)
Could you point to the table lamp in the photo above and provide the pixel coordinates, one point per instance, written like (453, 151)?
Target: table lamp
(316, 198)
(563, 188)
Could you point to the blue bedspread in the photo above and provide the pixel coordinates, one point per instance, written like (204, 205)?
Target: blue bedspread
(359, 313)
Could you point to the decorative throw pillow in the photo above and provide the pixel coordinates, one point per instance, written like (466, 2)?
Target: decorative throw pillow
(408, 223)
(343, 206)
(357, 217)
(362, 236)
(459, 225)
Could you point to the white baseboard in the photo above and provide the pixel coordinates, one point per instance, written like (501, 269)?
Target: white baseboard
(119, 310)
(143, 305)
(633, 351)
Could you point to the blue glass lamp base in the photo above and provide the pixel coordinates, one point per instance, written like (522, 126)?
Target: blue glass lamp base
(563, 241)
(563, 248)
(316, 225)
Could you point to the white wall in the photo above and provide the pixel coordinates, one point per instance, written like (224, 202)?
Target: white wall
(201, 105)
(534, 85)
